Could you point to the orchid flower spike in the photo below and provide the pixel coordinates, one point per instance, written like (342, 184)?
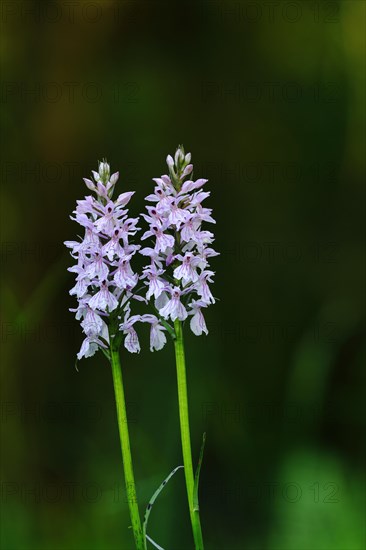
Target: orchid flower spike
(104, 277)
(178, 275)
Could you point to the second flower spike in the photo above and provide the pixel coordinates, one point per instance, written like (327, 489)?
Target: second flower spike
(178, 275)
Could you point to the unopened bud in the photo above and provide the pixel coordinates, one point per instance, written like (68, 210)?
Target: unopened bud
(114, 178)
(90, 184)
(104, 171)
(188, 169)
(96, 175)
(170, 161)
(179, 157)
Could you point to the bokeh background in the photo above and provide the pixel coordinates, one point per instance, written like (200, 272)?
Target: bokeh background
(269, 98)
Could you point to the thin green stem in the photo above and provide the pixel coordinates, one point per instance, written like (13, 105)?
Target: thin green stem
(185, 433)
(126, 450)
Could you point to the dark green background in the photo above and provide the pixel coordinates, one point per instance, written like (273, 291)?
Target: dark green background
(269, 98)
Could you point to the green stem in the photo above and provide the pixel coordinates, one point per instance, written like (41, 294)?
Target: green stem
(126, 450)
(185, 433)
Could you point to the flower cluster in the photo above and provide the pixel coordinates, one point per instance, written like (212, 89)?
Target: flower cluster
(104, 277)
(178, 274)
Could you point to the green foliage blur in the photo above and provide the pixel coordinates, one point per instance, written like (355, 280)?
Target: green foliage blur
(269, 98)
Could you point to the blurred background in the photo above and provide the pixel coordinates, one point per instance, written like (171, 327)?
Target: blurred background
(269, 98)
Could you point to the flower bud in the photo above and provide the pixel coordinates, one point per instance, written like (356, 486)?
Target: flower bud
(112, 182)
(114, 178)
(170, 161)
(104, 172)
(96, 175)
(188, 169)
(179, 157)
(90, 184)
